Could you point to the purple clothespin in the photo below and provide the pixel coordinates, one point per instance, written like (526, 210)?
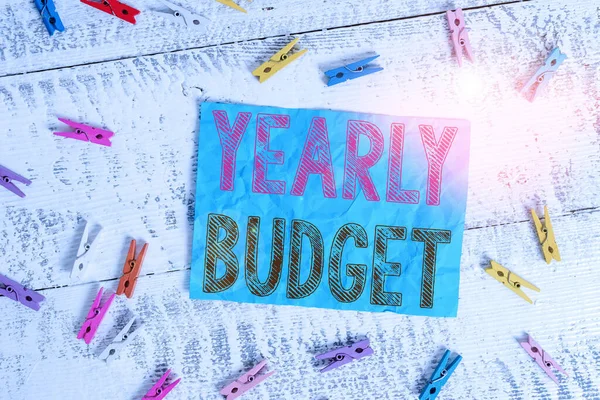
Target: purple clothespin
(159, 391)
(86, 133)
(6, 178)
(18, 292)
(460, 37)
(541, 357)
(246, 382)
(345, 355)
(94, 317)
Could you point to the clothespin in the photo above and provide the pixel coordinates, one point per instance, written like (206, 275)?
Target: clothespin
(541, 357)
(246, 382)
(120, 341)
(351, 71)
(439, 377)
(460, 36)
(17, 292)
(278, 61)
(230, 3)
(160, 390)
(116, 8)
(546, 236)
(49, 16)
(513, 281)
(86, 133)
(540, 80)
(94, 317)
(131, 270)
(345, 355)
(183, 16)
(6, 178)
(85, 253)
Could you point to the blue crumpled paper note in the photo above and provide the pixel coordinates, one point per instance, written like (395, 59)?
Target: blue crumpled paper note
(389, 191)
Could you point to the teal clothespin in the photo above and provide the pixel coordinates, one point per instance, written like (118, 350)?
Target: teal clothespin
(540, 80)
(440, 377)
(351, 71)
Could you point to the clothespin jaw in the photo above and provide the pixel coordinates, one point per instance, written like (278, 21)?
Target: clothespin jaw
(6, 180)
(539, 81)
(351, 71)
(86, 133)
(131, 270)
(439, 377)
(460, 36)
(116, 8)
(246, 382)
(183, 16)
(94, 317)
(120, 341)
(345, 355)
(546, 236)
(85, 253)
(278, 61)
(542, 358)
(159, 391)
(230, 3)
(17, 292)
(513, 281)
(49, 16)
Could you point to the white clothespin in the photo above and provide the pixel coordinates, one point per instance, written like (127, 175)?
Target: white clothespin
(85, 254)
(182, 16)
(120, 341)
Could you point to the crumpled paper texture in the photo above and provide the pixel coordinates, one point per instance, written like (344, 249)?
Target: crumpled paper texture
(330, 214)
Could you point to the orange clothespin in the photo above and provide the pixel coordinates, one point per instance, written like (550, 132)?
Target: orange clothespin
(131, 270)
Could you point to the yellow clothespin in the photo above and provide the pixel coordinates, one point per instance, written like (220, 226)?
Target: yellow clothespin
(513, 281)
(277, 62)
(546, 236)
(230, 3)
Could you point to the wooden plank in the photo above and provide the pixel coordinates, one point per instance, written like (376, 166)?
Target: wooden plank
(523, 155)
(93, 36)
(208, 343)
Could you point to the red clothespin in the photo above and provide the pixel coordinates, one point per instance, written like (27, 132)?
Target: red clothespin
(116, 8)
(160, 390)
(94, 317)
(131, 270)
(460, 37)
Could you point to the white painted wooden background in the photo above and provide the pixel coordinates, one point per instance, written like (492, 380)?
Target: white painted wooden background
(146, 82)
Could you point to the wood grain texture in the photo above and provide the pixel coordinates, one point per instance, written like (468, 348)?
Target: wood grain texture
(93, 36)
(209, 343)
(522, 155)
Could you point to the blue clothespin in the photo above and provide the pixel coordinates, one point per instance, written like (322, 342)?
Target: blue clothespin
(544, 73)
(351, 71)
(440, 377)
(49, 16)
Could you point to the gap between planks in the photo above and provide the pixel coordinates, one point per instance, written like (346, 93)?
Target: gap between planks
(262, 38)
(583, 211)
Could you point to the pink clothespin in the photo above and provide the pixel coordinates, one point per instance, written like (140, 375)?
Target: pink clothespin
(86, 133)
(541, 357)
(345, 355)
(159, 391)
(20, 293)
(94, 317)
(6, 178)
(460, 37)
(246, 382)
